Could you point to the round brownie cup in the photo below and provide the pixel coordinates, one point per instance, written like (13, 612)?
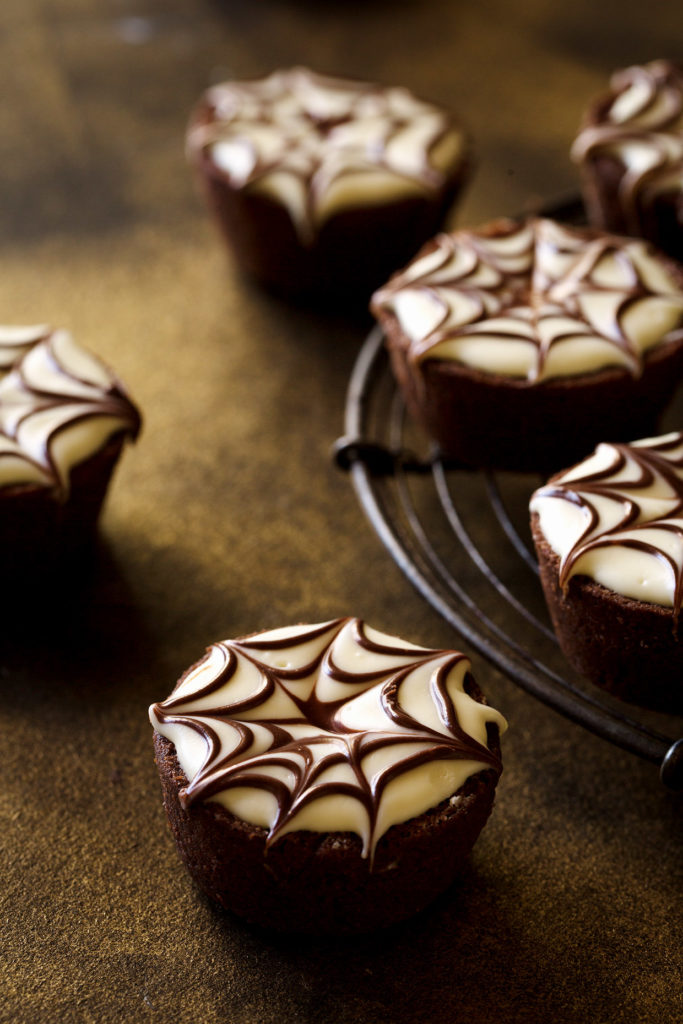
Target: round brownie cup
(521, 344)
(326, 778)
(323, 186)
(630, 154)
(64, 419)
(609, 539)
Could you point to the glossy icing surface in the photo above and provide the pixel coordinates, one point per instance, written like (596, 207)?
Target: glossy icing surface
(331, 727)
(58, 406)
(535, 300)
(617, 517)
(641, 124)
(319, 145)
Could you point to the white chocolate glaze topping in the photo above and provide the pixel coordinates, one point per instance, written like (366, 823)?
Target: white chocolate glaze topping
(617, 517)
(333, 727)
(535, 300)
(58, 406)
(641, 123)
(319, 145)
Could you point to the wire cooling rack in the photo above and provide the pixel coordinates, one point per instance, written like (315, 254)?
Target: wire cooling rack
(462, 539)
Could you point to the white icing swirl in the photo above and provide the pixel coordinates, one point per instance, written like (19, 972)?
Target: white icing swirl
(58, 406)
(319, 145)
(617, 517)
(535, 300)
(332, 727)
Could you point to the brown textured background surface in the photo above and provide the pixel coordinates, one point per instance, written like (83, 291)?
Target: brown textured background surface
(229, 516)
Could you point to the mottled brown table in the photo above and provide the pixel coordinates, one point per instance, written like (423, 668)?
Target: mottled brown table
(230, 516)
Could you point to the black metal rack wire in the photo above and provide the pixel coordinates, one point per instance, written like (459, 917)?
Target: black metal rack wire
(433, 518)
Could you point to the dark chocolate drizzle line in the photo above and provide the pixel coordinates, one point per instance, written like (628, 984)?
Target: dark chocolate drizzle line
(346, 745)
(650, 463)
(544, 296)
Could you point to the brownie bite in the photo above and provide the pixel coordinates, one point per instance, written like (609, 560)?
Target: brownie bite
(323, 186)
(630, 154)
(521, 344)
(326, 778)
(609, 539)
(64, 419)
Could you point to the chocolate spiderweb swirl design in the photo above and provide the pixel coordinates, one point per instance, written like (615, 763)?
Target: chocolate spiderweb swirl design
(52, 390)
(320, 753)
(536, 283)
(656, 466)
(318, 131)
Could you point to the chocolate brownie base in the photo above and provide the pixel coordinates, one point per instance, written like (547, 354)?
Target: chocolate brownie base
(487, 420)
(352, 253)
(318, 883)
(629, 648)
(39, 533)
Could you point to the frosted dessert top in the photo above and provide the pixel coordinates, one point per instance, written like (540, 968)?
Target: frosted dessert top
(332, 727)
(319, 145)
(640, 123)
(617, 517)
(534, 300)
(59, 405)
